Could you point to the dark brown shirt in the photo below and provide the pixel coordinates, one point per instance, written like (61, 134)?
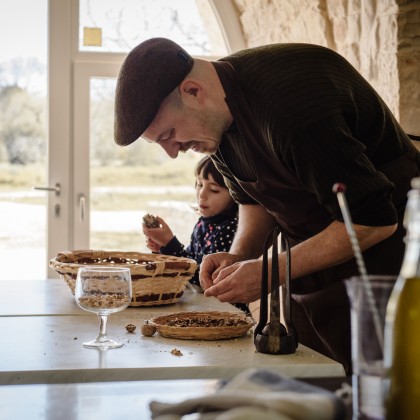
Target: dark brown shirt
(305, 119)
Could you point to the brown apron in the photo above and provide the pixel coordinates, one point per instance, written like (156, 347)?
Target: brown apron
(320, 306)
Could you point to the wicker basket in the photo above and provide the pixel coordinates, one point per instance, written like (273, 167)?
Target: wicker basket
(156, 279)
(210, 325)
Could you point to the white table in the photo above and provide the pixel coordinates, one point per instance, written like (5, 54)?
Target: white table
(53, 297)
(43, 334)
(104, 401)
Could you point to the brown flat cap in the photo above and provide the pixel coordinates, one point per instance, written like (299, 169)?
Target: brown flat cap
(150, 72)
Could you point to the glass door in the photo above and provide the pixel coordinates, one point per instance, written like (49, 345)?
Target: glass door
(126, 183)
(115, 186)
(23, 138)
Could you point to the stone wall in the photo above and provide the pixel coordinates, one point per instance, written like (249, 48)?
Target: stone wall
(409, 64)
(379, 37)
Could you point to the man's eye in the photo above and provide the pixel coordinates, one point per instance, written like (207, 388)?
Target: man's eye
(167, 136)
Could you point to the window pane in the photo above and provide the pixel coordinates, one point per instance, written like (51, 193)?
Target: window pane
(128, 182)
(119, 26)
(23, 131)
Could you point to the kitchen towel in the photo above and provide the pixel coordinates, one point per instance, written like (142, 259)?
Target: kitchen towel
(257, 393)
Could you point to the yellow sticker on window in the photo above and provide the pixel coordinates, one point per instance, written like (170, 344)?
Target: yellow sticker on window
(92, 37)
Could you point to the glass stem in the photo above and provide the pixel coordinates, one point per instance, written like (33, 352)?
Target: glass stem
(102, 329)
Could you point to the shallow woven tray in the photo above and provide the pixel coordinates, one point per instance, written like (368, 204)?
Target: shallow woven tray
(156, 279)
(212, 325)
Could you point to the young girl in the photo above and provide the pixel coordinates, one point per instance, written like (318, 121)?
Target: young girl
(214, 230)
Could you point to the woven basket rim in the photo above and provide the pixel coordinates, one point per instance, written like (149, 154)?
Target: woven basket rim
(202, 332)
(74, 257)
(191, 314)
(157, 280)
(138, 262)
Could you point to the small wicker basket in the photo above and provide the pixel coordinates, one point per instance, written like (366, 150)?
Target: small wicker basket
(210, 325)
(156, 279)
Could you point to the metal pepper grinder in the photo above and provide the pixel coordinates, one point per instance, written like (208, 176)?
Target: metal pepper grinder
(274, 337)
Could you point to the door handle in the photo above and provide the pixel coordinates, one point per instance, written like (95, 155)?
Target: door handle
(56, 189)
(82, 207)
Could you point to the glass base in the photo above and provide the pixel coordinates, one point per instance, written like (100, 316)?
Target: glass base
(102, 345)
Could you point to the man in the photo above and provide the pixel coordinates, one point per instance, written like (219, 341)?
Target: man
(282, 123)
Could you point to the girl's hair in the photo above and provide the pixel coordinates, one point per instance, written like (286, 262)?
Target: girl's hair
(206, 167)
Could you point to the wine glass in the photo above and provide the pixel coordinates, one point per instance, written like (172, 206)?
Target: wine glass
(103, 290)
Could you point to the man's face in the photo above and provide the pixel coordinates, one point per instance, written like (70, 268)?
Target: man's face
(180, 129)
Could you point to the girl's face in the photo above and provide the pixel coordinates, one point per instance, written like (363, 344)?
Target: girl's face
(212, 199)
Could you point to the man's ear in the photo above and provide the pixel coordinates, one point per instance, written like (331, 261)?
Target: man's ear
(191, 91)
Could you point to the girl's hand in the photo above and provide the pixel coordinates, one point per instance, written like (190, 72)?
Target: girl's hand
(160, 235)
(152, 245)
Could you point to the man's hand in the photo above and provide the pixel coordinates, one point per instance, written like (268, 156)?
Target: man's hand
(238, 282)
(236, 276)
(212, 264)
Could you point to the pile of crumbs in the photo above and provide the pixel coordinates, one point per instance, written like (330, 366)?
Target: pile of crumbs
(176, 352)
(108, 300)
(205, 321)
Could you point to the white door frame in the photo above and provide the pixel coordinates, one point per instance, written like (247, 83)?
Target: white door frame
(60, 52)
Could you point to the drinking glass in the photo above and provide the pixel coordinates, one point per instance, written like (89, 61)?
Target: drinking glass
(103, 290)
(367, 347)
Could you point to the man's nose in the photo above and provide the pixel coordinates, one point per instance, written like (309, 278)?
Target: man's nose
(171, 149)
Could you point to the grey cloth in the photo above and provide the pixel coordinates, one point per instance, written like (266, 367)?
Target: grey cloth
(257, 393)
